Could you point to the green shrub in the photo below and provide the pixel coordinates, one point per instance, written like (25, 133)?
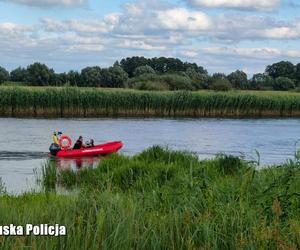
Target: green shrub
(4, 75)
(283, 83)
(155, 86)
(220, 85)
(177, 82)
(229, 164)
(167, 81)
(142, 70)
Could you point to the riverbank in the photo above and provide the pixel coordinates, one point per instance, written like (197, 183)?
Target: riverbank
(67, 102)
(163, 199)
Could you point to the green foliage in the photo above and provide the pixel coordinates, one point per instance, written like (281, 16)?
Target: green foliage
(161, 65)
(117, 77)
(91, 76)
(177, 82)
(18, 75)
(281, 69)
(283, 83)
(218, 76)
(141, 70)
(262, 82)
(74, 78)
(199, 80)
(130, 64)
(151, 86)
(219, 84)
(92, 102)
(161, 82)
(39, 74)
(163, 199)
(230, 165)
(113, 77)
(238, 79)
(4, 75)
(152, 74)
(297, 73)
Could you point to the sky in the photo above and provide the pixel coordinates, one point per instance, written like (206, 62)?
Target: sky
(220, 35)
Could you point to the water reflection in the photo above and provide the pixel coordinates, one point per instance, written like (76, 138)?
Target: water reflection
(77, 164)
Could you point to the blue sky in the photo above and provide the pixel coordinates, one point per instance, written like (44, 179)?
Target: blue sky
(221, 35)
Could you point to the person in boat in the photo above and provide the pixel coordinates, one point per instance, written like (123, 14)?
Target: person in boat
(90, 144)
(79, 143)
(55, 138)
(54, 147)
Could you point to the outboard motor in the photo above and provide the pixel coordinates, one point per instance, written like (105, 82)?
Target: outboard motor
(54, 149)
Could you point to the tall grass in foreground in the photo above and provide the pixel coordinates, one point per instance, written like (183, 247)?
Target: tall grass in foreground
(162, 199)
(92, 102)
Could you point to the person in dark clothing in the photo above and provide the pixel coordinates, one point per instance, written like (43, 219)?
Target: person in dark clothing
(79, 143)
(90, 144)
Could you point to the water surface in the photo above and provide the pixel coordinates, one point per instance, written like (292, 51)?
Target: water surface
(24, 143)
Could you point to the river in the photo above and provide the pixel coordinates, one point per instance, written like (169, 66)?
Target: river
(24, 142)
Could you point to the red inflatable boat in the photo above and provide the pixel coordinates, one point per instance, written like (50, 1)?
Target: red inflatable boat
(103, 149)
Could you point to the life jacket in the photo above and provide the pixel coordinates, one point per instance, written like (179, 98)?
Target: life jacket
(55, 139)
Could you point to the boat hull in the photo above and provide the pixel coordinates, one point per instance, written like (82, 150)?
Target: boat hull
(103, 149)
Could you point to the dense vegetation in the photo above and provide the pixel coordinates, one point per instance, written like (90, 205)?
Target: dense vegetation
(157, 74)
(163, 199)
(94, 102)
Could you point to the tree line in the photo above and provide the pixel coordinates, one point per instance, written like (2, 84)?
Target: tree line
(157, 74)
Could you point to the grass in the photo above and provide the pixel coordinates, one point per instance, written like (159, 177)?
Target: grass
(163, 199)
(92, 102)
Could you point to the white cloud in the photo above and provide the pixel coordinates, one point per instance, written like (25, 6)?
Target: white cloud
(189, 53)
(236, 27)
(82, 27)
(261, 53)
(183, 19)
(131, 44)
(265, 5)
(47, 3)
(13, 29)
(153, 28)
(228, 59)
(291, 31)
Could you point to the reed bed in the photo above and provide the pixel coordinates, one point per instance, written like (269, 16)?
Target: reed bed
(163, 199)
(93, 102)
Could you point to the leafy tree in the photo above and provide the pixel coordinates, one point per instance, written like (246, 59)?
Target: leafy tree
(297, 73)
(283, 68)
(238, 79)
(220, 84)
(177, 82)
(161, 82)
(198, 69)
(161, 65)
(61, 79)
(74, 78)
(218, 76)
(131, 63)
(199, 80)
(4, 75)
(141, 70)
(91, 76)
(261, 81)
(18, 75)
(283, 83)
(40, 75)
(215, 77)
(117, 77)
